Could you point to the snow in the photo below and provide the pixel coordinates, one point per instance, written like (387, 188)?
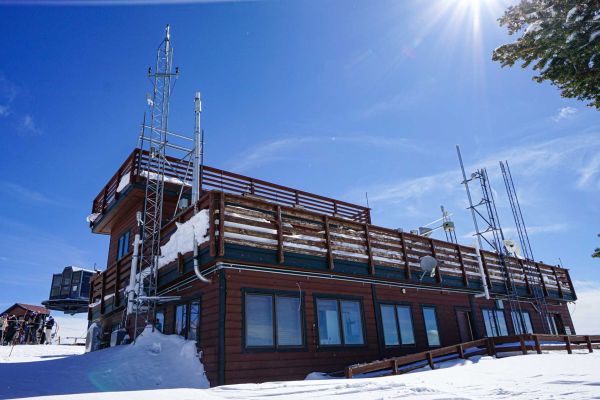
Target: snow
(556, 375)
(182, 240)
(168, 179)
(92, 217)
(155, 361)
(123, 183)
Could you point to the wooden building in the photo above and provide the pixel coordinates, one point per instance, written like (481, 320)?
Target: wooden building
(20, 309)
(302, 283)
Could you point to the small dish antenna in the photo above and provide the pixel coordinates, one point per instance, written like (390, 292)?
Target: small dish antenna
(512, 248)
(428, 264)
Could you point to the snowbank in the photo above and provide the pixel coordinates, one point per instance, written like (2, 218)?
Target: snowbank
(155, 361)
(182, 240)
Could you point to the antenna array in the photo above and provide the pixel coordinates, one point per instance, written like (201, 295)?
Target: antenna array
(491, 231)
(162, 146)
(533, 276)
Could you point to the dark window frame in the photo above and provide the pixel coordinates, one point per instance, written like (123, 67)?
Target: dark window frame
(275, 347)
(188, 305)
(496, 324)
(437, 324)
(412, 322)
(123, 245)
(339, 298)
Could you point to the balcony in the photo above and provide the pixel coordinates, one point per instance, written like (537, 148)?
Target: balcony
(131, 175)
(254, 231)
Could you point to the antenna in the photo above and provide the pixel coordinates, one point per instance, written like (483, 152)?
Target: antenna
(530, 271)
(158, 144)
(428, 264)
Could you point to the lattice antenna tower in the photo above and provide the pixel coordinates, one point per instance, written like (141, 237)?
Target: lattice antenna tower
(488, 229)
(532, 274)
(159, 146)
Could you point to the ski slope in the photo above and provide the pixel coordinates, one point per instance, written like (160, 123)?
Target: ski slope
(171, 371)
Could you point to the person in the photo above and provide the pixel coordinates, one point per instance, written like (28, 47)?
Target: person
(11, 328)
(48, 331)
(2, 323)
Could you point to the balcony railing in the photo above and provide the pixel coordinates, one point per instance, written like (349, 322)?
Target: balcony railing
(216, 179)
(384, 254)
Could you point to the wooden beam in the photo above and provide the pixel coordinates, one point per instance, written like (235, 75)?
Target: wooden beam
(369, 250)
(438, 274)
(589, 344)
(211, 224)
(526, 277)
(539, 271)
(221, 251)
(280, 255)
(568, 344)
(102, 291)
(117, 300)
(407, 272)
(463, 272)
(560, 292)
(430, 360)
(538, 347)
(485, 269)
(330, 263)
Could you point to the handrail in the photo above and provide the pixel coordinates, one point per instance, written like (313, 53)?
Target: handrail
(225, 181)
(487, 346)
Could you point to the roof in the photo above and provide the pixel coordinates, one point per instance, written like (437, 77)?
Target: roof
(29, 307)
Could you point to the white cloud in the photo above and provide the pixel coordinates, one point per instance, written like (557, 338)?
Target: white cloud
(4, 111)
(585, 311)
(276, 149)
(589, 174)
(28, 125)
(115, 2)
(23, 193)
(529, 159)
(564, 113)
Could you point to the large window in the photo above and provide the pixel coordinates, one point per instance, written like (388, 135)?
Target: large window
(340, 322)
(273, 320)
(397, 325)
(123, 245)
(187, 320)
(518, 322)
(495, 324)
(431, 326)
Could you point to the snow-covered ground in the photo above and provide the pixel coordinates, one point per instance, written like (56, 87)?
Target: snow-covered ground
(163, 367)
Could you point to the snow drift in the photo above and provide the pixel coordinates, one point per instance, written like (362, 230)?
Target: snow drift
(155, 361)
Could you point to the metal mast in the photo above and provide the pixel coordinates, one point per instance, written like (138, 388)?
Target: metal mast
(532, 274)
(492, 233)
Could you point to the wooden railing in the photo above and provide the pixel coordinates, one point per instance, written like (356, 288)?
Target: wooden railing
(488, 346)
(216, 179)
(386, 253)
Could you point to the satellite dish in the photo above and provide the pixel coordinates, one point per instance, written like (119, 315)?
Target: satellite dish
(428, 264)
(424, 231)
(512, 248)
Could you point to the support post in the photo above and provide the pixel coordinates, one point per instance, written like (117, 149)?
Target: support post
(522, 344)
(438, 274)
(463, 272)
(461, 351)
(407, 272)
(538, 347)
(280, 255)
(330, 263)
(369, 250)
(589, 344)
(568, 344)
(430, 360)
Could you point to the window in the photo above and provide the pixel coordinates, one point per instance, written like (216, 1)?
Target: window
(187, 320)
(181, 325)
(340, 322)
(159, 324)
(397, 325)
(431, 326)
(552, 324)
(123, 245)
(273, 320)
(518, 323)
(495, 324)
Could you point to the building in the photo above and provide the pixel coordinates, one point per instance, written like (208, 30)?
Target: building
(70, 290)
(20, 309)
(294, 282)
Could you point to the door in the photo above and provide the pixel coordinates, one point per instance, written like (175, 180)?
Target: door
(560, 326)
(465, 327)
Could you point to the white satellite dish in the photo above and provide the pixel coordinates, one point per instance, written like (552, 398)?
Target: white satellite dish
(428, 265)
(512, 248)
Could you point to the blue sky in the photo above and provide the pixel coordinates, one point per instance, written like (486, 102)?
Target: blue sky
(334, 97)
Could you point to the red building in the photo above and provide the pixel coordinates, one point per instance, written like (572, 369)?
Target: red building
(298, 282)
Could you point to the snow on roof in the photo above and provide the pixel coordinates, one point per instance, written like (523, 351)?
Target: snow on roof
(182, 240)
